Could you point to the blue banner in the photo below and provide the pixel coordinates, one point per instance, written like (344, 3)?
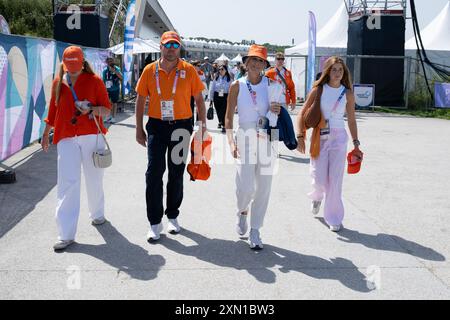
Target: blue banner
(310, 77)
(128, 47)
(442, 95)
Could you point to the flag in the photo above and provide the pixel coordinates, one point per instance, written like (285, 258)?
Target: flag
(310, 77)
(130, 24)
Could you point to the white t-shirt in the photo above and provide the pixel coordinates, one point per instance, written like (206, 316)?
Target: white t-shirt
(327, 102)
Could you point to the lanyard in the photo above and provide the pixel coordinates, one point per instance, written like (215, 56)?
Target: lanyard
(71, 88)
(253, 96)
(158, 87)
(338, 100)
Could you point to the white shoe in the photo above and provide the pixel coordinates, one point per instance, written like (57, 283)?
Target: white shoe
(241, 224)
(335, 228)
(62, 244)
(98, 222)
(255, 240)
(173, 227)
(154, 232)
(112, 120)
(315, 207)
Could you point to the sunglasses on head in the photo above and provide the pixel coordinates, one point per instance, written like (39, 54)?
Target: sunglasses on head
(171, 45)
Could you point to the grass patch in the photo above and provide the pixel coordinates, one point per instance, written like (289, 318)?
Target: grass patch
(431, 113)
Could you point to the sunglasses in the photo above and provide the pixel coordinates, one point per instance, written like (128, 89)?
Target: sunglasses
(221, 69)
(280, 59)
(171, 45)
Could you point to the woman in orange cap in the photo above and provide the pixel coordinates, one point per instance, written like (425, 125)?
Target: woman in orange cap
(329, 139)
(252, 148)
(78, 95)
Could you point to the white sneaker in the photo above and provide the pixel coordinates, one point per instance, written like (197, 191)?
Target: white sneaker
(98, 222)
(241, 224)
(173, 227)
(154, 232)
(255, 240)
(62, 244)
(315, 207)
(335, 228)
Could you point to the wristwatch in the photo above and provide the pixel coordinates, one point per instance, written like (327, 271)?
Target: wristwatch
(356, 143)
(300, 136)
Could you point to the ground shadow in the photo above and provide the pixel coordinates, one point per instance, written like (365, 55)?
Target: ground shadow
(237, 255)
(121, 254)
(36, 177)
(388, 242)
(294, 159)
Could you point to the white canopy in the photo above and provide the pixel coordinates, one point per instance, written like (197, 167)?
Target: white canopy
(238, 58)
(331, 39)
(139, 46)
(223, 57)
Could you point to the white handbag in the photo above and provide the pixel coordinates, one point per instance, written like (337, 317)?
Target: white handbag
(102, 158)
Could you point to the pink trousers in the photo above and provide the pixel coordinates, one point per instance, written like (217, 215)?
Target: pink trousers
(327, 172)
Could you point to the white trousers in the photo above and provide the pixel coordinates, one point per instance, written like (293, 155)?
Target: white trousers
(255, 169)
(72, 153)
(327, 172)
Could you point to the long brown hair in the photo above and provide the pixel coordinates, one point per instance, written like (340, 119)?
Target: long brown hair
(86, 68)
(325, 77)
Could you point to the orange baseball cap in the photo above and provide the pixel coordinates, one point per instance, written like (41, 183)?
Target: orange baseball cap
(354, 164)
(257, 51)
(73, 59)
(170, 36)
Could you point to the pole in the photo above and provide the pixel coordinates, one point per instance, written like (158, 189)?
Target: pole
(115, 18)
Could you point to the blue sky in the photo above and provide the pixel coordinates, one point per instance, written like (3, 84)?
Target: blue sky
(273, 21)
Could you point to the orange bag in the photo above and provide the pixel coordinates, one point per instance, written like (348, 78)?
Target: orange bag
(199, 168)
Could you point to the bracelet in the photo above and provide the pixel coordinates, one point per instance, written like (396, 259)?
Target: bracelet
(356, 143)
(300, 136)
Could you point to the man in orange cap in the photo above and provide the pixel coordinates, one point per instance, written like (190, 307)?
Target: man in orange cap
(169, 84)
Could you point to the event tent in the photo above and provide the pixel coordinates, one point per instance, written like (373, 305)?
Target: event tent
(238, 58)
(139, 46)
(223, 57)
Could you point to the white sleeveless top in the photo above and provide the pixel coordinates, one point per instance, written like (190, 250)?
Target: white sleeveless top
(329, 98)
(247, 111)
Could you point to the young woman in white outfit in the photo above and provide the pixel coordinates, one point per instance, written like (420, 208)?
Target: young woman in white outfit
(251, 148)
(328, 163)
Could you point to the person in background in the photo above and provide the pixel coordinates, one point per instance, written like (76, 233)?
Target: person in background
(329, 140)
(112, 77)
(76, 135)
(201, 74)
(284, 77)
(219, 92)
(208, 70)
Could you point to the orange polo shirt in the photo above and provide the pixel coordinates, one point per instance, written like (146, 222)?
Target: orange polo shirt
(189, 84)
(87, 87)
(291, 96)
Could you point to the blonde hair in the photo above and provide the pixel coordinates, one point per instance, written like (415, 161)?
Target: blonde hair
(325, 77)
(86, 68)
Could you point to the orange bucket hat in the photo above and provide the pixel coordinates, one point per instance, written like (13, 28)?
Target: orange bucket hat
(73, 59)
(354, 164)
(257, 51)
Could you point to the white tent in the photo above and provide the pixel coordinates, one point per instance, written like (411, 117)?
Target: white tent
(223, 57)
(435, 38)
(139, 46)
(331, 40)
(238, 58)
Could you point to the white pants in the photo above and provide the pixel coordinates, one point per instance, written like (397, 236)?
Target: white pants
(72, 153)
(327, 172)
(255, 169)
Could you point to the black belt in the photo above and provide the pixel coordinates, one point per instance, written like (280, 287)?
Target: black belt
(170, 122)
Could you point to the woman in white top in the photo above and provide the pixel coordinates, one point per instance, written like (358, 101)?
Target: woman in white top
(252, 148)
(219, 93)
(327, 168)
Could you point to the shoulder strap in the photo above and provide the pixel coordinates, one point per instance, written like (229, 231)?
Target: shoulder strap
(282, 78)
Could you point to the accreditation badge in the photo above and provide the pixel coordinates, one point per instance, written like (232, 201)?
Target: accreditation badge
(167, 113)
(183, 74)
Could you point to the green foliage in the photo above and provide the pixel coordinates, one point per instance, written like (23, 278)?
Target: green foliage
(28, 17)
